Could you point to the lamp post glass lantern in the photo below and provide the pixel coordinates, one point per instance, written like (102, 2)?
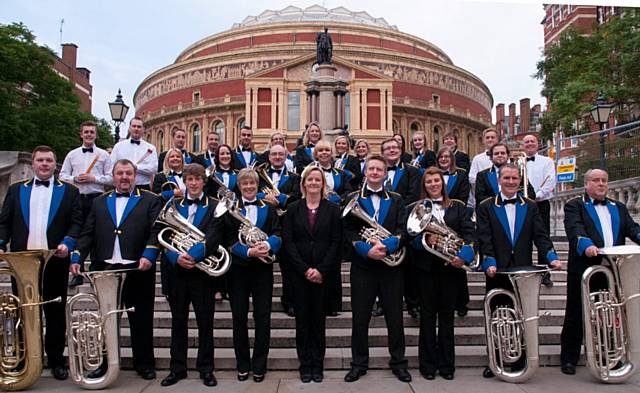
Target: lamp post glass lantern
(118, 111)
(600, 113)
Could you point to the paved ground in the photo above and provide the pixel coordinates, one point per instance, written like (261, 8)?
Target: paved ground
(468, 380)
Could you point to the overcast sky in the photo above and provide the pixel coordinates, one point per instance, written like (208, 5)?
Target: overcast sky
(122, 42)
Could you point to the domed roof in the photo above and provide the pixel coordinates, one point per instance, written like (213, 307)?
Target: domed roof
(314, 13)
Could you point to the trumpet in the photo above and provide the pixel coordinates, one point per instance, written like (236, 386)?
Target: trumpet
(271, 188)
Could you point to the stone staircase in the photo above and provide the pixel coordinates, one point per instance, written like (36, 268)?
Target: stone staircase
(469, 330)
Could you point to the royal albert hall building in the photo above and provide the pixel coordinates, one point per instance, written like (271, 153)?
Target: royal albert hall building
(255, 74)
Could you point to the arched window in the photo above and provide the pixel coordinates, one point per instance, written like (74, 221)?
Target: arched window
(395, 126)
(469, 146)
(160, 140)
(218, 128)
(196, 136)
(240, 124)
(436, 137)
(415, 126)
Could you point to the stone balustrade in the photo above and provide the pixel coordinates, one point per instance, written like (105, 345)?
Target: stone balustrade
(14, 166)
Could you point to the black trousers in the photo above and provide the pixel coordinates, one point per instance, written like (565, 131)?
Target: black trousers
(309, 306)
(461, 282)
(191, 287)
(255, 281)
(572, 328)
(438, 292)
(56, 277)
(287, 298)
(166, 276)
(411, 290)
(545, 212)
(388, 285)
(138, 291)
(333, 289)
(86, 200)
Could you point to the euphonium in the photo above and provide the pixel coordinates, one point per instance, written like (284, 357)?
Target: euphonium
(373, 232)
(248, 234)
(612, 315)
(422, 221)
(179, 236)
(21, 321)
(93, 335)
(271, 188)
(223, 190)
(512, 330)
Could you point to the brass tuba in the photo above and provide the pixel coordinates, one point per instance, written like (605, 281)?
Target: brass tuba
(612, 315)
(512, 330)
(93, 335)
(373, 232)
(21, 319)
(179, 236)
(271, 188)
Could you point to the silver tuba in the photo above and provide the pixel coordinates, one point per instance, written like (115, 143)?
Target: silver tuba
(373, 232)
(179, 236)
(93, 335)
(422, 221)
(512, 330)
(248, 234)
(612, 315)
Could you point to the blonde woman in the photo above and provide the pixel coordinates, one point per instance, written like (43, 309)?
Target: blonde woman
(304, 152)
(346, 161)
(337, 180)
(169, 182)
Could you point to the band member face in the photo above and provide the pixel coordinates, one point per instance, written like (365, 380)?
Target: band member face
(314, 182)
(277, 139)
(530, 145)
(391, 152)
(418, 142)
(375, 172)
(598, 184)
(444, 161)
(194, 184)
(245, 137)
(44, 164)
(509, 181)
(398, 139)
(136, 129)
(341, 145)
(175, 161)
(314, 133)
(88, 135)
(433, 186)
(277, 156)
(124, 176)
(224, 157)
(249, 189)
(499, 156)
(362, 150)
(450, 142)
(212, 141)
(489, 139)
(179, 139)
(323, 155)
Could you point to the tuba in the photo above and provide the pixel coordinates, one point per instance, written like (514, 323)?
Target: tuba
(271, 188)
(512, 330)
(21, 321)
(373, 232)
(612, 315)
(93, 335)
(448, 244)
(179, 236)
(248, 234)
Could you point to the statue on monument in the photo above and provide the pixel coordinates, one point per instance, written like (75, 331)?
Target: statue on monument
(324, 48)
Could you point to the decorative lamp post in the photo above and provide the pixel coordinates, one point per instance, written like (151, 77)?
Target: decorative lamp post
(118, 113)
(600, 113)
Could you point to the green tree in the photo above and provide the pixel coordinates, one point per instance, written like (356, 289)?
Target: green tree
(37, 106)
(580, 66)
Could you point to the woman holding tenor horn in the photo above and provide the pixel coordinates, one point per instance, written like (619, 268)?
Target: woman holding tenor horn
(304, 153)
(437, 275)
(225, 174)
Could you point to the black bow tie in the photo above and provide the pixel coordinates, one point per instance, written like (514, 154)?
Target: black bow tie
(392, 168)
(42, 182)
(446, 173)
(509, 201)
(311, 145)
(532, 158)
(327, 169)
(252, 203)
(246, 149)
(123, 194)
(229, 171)
(87, 149)
(368, 193)
(134, 142)
(437, 202)
(602, 202)
(274, 170)
(172, 173)
(193, 201)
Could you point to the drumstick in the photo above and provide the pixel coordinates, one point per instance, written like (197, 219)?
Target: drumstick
(149, 151)
(93, 163)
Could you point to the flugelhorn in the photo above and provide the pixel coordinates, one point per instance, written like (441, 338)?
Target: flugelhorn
(271, 188)
(612, 316)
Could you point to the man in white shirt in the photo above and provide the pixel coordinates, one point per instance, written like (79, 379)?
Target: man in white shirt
(481, 161)
(141, 153)
(179, 140)
(88, 167)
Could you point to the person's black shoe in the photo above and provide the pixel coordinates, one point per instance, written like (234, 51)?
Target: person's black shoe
(173, 378)
(429, 376)
(98, 372)
(487, 373)
(317, 376)
(243, 376)
(305, 377)
(462, 311)
(147, 373)
(258, 378)
(402, 374)
(60, 372)
(75, 281)
(414, 312)
(208, 379)
(354, 374)
(290, 312)
(568, 368)
(377, 311)
(447, 376)
(332, 314)
(546, 280)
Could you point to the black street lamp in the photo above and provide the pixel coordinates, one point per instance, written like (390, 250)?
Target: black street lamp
(600, 113)
(118, 113)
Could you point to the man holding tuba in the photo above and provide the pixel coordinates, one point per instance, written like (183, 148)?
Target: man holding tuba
(591, 221)
(507, 227)
(44, 213)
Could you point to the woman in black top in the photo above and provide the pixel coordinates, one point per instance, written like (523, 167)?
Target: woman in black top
(304, 152)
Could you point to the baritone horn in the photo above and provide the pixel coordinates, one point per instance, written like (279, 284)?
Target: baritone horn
(512, 329)
(612, 315)
(21, 319)
(93, 329)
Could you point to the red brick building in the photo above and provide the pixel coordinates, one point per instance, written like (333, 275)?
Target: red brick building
(254, 73)
(79, 77)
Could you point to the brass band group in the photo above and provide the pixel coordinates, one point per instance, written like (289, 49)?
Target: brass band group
(410, 223)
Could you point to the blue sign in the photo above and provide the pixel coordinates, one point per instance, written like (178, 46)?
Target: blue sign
(566, 177)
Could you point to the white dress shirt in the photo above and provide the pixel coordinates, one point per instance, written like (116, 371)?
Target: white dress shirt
(481, 161)
(511, 214)
(251, 211)
(605, 223)
(121, 204)
(391, 174)
(275, 175)
(193, 208)
(77, 163)
(247, 157)
(375, 201)
(328, 176)
(437, 210)
(541, 173)
(145, 161)
(39, 206)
